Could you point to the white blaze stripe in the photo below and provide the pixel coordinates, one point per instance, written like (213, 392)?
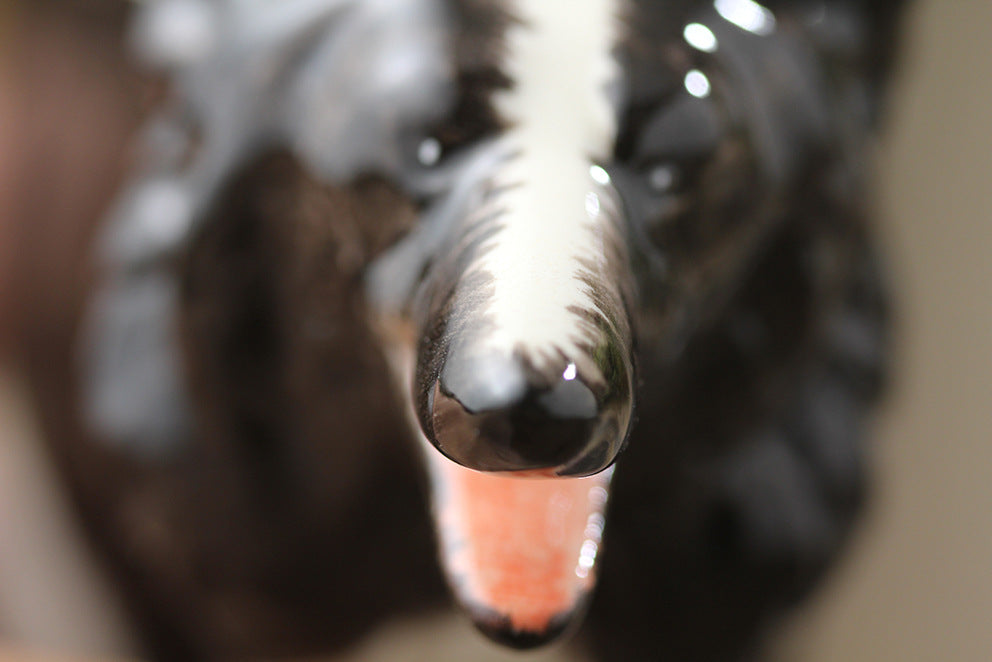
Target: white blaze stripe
(560, 58)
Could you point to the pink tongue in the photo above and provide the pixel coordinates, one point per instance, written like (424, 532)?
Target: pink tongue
(519, 551)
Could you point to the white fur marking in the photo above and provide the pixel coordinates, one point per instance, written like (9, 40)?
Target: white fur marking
(562, 122)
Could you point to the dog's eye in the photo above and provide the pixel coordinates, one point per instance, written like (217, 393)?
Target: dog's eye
(429, 152)
(686, 130)
(689, 166)
(431, 149)
(662, 178)
(669, 145)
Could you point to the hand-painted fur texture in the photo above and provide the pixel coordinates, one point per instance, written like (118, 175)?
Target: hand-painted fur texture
(342, 193)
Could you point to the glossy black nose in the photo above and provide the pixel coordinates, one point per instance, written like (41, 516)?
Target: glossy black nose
(499, 413)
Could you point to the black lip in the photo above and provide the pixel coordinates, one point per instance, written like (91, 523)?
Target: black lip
(498, 628)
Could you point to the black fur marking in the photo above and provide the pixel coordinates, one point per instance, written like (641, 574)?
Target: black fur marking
(479, 30)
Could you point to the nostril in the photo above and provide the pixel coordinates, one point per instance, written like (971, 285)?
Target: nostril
(496, 413)
(570, 398)
(484, 383)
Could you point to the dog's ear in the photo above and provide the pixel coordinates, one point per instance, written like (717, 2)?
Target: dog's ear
(339, 84)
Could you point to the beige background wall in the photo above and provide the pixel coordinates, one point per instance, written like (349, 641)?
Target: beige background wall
(919, 583)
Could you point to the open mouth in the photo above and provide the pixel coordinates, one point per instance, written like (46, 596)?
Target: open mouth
(519, 550)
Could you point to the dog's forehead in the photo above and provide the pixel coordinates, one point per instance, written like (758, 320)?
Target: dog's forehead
(346, 83)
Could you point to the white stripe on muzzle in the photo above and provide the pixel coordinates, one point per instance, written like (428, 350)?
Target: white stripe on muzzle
(562, 123)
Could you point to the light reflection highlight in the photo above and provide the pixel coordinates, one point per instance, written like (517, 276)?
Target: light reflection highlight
(661, 178)
(598, 496)
(587, 558)
(747, 15)
(592, 204)
(599, 175)
(697, 84)
(593, 532)
(594, 526)
(570, 372)
(429, 151)
(700, 37)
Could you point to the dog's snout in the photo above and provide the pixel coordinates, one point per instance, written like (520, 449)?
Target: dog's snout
(526, 362)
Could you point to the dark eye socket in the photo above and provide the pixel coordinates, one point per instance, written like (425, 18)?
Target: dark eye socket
(677, 141)
(471, 119)
(444, 140)
(432, 147)
(688, 166)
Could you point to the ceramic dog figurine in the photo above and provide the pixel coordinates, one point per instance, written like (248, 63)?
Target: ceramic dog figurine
(400, 280)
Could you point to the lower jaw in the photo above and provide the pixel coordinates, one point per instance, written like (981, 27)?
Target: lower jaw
(519, 550)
